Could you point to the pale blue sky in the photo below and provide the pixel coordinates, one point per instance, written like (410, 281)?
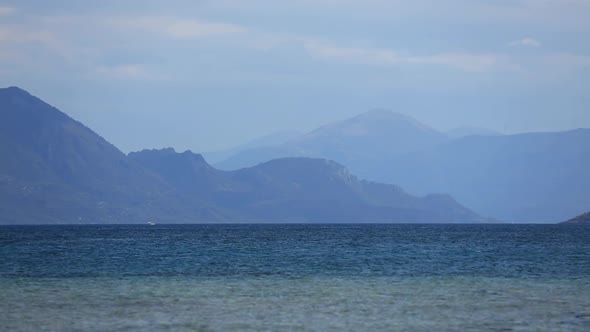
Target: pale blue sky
(206, 75)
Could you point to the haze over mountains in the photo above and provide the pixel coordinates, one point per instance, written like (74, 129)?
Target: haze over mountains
(55, 170)
(535, 177)
(464, 131)
(356, 142)
(272, 139)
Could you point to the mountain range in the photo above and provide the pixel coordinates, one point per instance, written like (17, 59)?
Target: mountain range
(358, 142)
(532, 177)
(54, 169)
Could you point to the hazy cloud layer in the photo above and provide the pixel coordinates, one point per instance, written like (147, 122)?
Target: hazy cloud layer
(511, 65)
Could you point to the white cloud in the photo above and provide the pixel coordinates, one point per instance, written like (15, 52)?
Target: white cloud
(7, 10)
(387, 57)
(526, 42)
(84, 42)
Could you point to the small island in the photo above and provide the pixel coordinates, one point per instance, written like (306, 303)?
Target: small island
(581, 219)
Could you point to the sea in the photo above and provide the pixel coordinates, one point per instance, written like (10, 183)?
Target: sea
(367, 277)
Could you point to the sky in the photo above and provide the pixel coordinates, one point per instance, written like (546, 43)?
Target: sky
(208, 75)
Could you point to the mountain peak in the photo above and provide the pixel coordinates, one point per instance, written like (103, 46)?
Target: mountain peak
(383, 113)
(381, 123)
(380, 116)
(14, 90)
(195, 159)
(354, 142)
(18, 103)
(168, 150)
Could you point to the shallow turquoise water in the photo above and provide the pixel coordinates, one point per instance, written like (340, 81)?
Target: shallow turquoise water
(295, 277)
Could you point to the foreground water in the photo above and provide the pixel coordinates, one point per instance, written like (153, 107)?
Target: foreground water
(295, 277)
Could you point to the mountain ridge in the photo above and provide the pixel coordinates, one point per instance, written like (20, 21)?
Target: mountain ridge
(56, 170)
(526, 177)
(529, 177)
(352, 141)
(304, 184)
(464, 131)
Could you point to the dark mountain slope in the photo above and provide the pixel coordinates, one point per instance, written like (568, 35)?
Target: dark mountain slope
(187, 172)
(55, 169)
(58, 147)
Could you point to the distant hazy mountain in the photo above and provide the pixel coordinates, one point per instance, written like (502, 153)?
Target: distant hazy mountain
(299, 190)
(55, 170)
(464, 131)
(271, 139)
(581, 219)
(538, 177)
(354, 142)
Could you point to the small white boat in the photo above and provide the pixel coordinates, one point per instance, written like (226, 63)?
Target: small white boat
(151, 223)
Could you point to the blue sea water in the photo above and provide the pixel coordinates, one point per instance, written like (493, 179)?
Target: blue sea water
(295, 278)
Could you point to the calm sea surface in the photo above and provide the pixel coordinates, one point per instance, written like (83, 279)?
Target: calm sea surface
(295, 278)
